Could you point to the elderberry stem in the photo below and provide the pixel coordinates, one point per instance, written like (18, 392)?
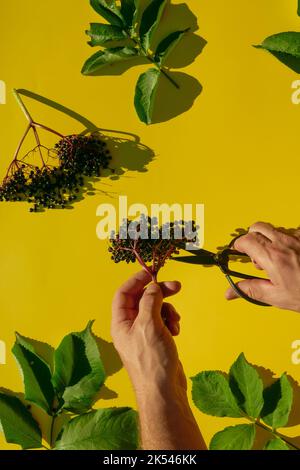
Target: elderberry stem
(22, 106)
(46, 128)
(150, 59)
(52, 431)
(21, 143)
(275, 433)
(164, 73)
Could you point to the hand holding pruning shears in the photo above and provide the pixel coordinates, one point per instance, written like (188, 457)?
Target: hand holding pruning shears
(145, 344)
(276, 251)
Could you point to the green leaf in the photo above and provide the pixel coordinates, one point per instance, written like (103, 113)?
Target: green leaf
(79, 372)
(247, 386)
(212, 395)
(128, 11)
(166, 46)
(276, 444)
(109, 11)
(240, 437)
(43, 350)
(286, 43)
(104, 429)
(101, 34)
(150, 21)
(107, 57)
(36, 375)
(298, 11)
(145, 92)
(17, 424)
(278, 400)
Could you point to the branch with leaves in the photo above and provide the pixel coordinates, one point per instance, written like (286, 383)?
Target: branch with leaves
(52, 178)
(65, 388)
(242, 395)
(132, 32)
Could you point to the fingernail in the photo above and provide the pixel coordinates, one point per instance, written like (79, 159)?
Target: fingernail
(153, 287)
(171, 284)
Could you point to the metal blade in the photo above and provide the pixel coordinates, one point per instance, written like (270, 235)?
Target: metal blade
(201, 257)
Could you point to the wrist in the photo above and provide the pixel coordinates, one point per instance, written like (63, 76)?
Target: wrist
(162, 394)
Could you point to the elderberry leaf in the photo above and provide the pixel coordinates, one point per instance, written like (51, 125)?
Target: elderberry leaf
(145, 93)
(17, 424)
(298, 11)
(167, 45)
(43, 350)
(36, 376)
(107, 57)
(285, 46)
(78, 370)
(212, 395)
(278, 400)
(276, 444)
(109, 11)
(150, 20)
(129, 10)
(104, 429)
(247, 386)
(101, 34)
(240, 437)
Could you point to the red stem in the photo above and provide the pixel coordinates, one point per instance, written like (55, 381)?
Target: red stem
(32, 125)
(46, 128)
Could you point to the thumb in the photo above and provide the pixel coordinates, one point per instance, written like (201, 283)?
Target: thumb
(151, 305)
(257, 289)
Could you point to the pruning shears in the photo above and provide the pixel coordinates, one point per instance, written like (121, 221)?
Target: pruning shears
(221, 259)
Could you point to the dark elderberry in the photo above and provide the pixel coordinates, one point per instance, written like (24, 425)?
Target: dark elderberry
(55, 187)
(146, 242)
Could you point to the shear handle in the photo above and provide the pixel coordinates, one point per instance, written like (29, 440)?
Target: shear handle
(222, 260)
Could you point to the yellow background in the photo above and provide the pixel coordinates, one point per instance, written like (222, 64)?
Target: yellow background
(236, 150)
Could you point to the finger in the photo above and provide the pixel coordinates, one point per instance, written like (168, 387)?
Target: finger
(279, 235)
(257, 265)
(170, 288)
(174, 328)
(128, 295)
(256, 246)
(171, 318)
(150, 306)
(266, 229)
(169, 311)
(257, 289)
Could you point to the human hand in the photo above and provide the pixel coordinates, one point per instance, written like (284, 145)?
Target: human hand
(277, 251)
(142, 329)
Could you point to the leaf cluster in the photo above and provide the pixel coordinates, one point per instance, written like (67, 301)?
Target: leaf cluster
(130, 34)
(65, 388)
(242, 395)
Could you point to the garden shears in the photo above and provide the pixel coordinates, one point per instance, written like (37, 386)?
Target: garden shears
(221, 259)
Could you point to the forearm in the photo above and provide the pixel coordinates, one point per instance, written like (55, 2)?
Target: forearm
(166, 420)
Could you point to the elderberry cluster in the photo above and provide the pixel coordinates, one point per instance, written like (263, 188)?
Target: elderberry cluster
(54, 187)
(83, 155)
(147, 242)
